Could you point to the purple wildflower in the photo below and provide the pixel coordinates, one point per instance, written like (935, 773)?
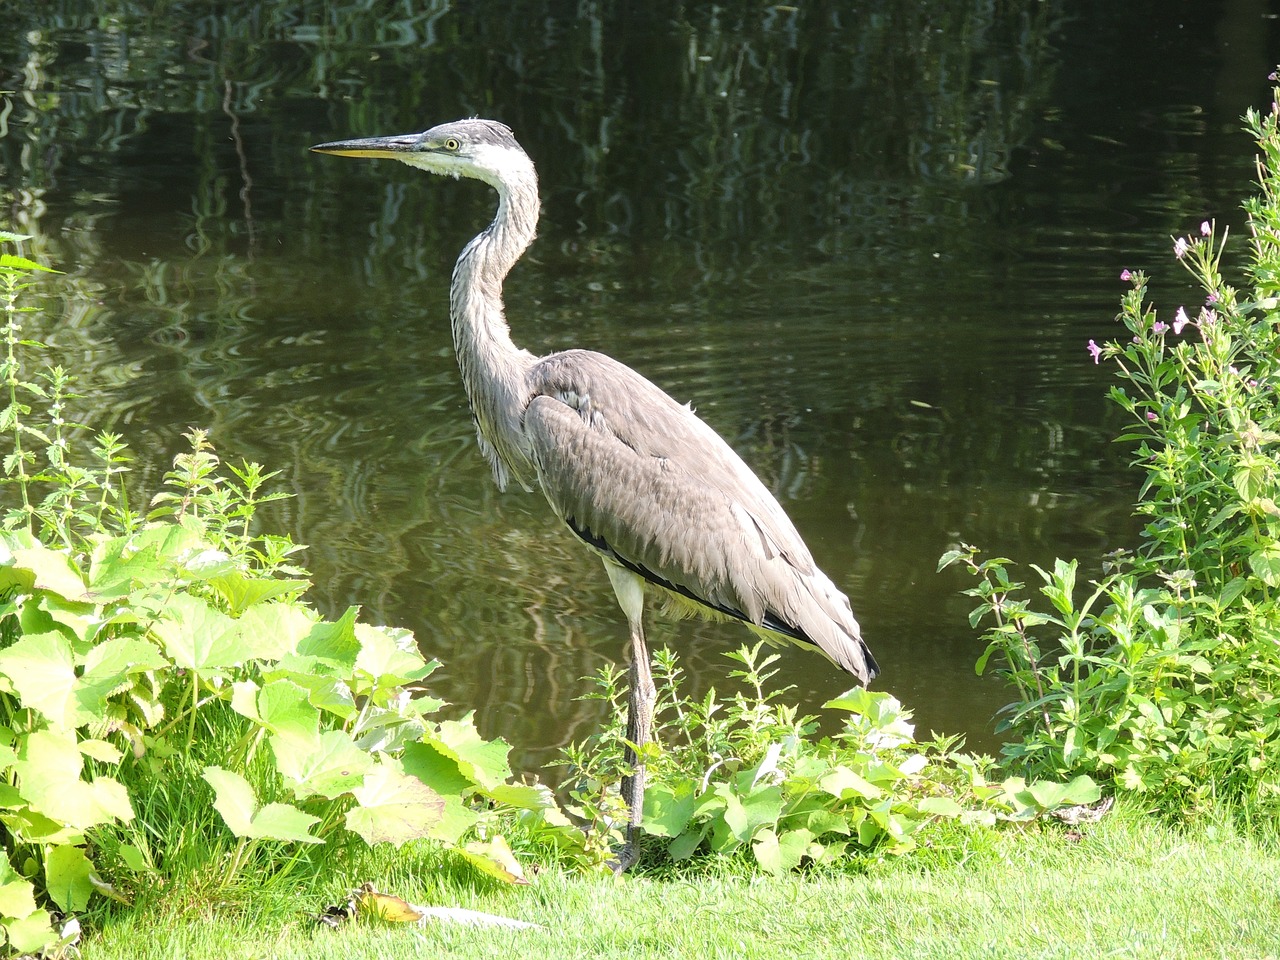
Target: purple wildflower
(1180, 247)
(1180, 320)
(1126, 275)
(1151, 416)
(1205, 228)
(1095, 351)
(1159, 327)
(1212, 298)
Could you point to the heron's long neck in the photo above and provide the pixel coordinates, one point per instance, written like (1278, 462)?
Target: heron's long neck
(493, 368)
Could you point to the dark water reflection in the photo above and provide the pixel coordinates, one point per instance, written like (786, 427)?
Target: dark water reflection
(869, 245)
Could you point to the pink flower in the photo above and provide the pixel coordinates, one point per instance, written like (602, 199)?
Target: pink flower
(1211, 298)
(1126, 275)
(1159, 327)
(1095, 351)
(1180, 247)
(1151, 416)
(1205, 229)
(1180, 320)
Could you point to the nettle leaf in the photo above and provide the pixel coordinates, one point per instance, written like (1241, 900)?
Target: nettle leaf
(234, 800)
(484, 761)
(67, 871)
(49, 768)
(198, 637)
(329, 764)
(779, 854)
(394, 807)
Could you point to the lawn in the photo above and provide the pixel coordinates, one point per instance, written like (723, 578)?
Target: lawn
(1127, 887)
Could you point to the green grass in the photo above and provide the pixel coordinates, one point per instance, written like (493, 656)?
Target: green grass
(1129, 887)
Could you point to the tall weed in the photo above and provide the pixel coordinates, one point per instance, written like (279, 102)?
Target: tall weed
(1163, 676)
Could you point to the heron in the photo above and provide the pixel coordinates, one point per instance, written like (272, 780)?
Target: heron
(656, 493)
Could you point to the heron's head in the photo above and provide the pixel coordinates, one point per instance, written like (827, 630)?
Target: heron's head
(479, 149)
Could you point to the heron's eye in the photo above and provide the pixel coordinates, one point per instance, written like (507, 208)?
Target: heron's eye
(451, 144)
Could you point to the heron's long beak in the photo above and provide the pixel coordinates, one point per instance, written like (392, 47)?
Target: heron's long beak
(393, 148)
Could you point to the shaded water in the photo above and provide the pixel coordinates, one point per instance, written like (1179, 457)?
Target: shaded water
(868, 244)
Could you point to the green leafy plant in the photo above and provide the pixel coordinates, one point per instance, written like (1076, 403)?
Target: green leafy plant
(153, 669)
(1163, 676)
(748, 776)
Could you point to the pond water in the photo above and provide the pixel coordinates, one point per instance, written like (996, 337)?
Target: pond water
(868, 243)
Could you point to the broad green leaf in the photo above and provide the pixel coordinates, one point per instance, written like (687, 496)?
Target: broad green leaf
(325, 693)
(29, 934)
(285, 709)
(394, 808)
(234, 800)
(100, 750)
(781, 853)
(845, 784)
(667, 810)
(329, 764)
(536, 797)
(133, 858)
(122, 655)
(822, 821)
(744, 814)
(151, 555)
(41, 668)
(49, 768)
(333, 644)
(436, 769)
(66, 871)
(390, 656)
(1265, 565)
(198, 637)
(686, 845)
(17, 894)
(276, 628)
(242, 592)
(940, 807)
(496, 859)
(484, 761)
(1048, 795)
(51, 570)
(442, 775)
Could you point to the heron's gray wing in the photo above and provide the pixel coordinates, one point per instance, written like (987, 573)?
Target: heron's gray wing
(645, 480)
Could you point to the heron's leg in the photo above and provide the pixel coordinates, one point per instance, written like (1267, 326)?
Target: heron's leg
(639, 724)
(641, 695)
